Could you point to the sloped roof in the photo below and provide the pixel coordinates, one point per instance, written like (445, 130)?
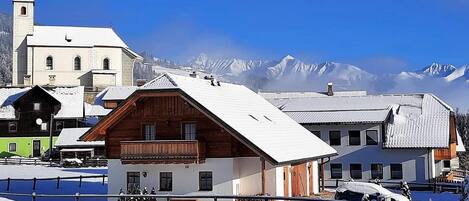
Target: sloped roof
(70, 98)
(118, 92)
(249, 117)
(69, 137)
(80, 37)
(460, 144)
(415, 120)
(95, 110)
(306, 94)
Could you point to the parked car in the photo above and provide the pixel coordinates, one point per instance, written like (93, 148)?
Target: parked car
(355, 191)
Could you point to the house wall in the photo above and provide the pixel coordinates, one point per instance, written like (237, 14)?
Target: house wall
(231, 176)
(414, 161)
(63, 64)
(24, 145)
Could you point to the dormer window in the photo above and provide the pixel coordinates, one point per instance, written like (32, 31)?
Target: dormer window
(106, 64)
(49, 63)
(23, 10)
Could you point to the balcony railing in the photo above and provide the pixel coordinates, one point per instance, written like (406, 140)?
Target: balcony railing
(163, 151)
(446, 154)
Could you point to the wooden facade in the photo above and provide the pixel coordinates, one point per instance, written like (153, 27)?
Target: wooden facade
(450, 152)
(168, 112)
(26, 115)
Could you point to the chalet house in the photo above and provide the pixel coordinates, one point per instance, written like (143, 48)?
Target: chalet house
(93, 57)
(409, 137)
(189, 136)
(26, 113)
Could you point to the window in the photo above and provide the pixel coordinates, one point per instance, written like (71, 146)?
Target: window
(317, 134)
(149, 132)
(23, 10)
(106, 64)
(36, 106)
(377, 171)
(189, 131)
(77, 63)
(43, 126)
(49, 63)
(205, 181)
(371, 137)
(356, 171)
(12, 128)
(133, 181)
(354, 138)
(12, 147)
(166, 181)
(334, 138)
(59, 125)
(396, 171)
(336, 171)
(446, 164)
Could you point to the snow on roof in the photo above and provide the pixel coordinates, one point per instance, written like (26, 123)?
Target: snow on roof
(95, 110)
(369, 116)
(250, 116)
(74, 36)
(68, 137)
(71, 99)
(460, 144)
(118, 92)
(416, 120)
(271, 95)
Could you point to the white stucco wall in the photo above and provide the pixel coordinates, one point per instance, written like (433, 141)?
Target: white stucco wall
(63, 64)
(414, 161)
(22, 26)
(231, 176)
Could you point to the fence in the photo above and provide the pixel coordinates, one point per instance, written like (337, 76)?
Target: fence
(78, 196)
(35, 161)
(35, 180)
(434, 185)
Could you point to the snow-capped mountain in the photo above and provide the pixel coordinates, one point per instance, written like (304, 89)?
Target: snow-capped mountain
(438, 70)
(447, 72)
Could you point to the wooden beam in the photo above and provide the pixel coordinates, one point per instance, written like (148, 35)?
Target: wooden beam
(263, 176)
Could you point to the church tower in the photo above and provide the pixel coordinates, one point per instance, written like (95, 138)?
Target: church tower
(23, 25)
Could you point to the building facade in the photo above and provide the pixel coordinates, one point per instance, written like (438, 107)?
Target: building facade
(184, 135)
(409, 137)
(28, 115)
(67, 56)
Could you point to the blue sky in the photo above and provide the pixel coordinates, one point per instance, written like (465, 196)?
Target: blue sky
(378, 35)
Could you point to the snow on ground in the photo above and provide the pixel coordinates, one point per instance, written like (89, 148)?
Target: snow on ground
(89, 185)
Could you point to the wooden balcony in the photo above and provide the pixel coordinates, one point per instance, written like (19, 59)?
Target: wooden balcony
(163, 152)
(446, 154)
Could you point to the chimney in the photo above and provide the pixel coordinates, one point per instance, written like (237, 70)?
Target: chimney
(52, 80)
(194, 74)
(330, 92)
(141, 82)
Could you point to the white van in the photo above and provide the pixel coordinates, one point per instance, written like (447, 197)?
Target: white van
(354, 191)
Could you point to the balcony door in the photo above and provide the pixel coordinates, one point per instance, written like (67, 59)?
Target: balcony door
(189, 131)
(149, 132)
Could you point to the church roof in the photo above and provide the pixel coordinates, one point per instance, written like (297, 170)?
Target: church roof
(67, 36)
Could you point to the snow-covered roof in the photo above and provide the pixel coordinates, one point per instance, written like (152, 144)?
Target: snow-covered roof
(71, 99)
(271, 95)
(324, 117)
(118, 92)
(69, 137)
(415, 120)
(95, 110)
(74, 37)
(248, 114)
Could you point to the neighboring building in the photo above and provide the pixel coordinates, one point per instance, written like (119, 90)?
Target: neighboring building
(408, 137)
(67, 56)
(70, 146)
(26, 113)
(111, 97)
(189, 136)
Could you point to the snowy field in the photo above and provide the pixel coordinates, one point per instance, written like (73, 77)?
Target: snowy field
(89, 186)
